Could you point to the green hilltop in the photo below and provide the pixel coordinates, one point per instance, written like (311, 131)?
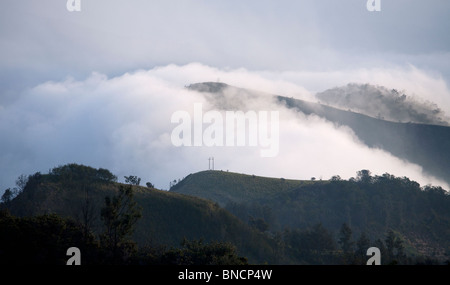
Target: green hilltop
(225, 187)
(167, 218)
(266, 220)
(369, 204)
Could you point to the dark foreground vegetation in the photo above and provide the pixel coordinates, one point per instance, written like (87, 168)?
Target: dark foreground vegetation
(286, 222)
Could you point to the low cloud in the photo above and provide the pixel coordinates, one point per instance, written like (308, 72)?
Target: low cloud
(380, 102)
(124, 124)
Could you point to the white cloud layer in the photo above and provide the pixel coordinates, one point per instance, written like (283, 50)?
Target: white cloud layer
(123, 124)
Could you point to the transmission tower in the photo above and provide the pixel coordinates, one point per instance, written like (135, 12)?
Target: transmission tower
(210, 166)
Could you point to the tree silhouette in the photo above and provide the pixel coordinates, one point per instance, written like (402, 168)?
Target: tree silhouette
(346, 242)
(132, 180)
(394, 248)
(345, 238)
(119, 216)
(21, 182)
(7, 197)
(362, 245)
(87, 212)
(364, 176)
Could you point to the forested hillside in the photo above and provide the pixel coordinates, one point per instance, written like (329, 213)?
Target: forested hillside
(78, 193)
(368, 204)
(216, 217)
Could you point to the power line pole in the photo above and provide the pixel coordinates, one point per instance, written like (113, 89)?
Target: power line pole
(210, 159)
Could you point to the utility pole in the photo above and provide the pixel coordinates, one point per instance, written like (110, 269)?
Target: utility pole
(210, 159)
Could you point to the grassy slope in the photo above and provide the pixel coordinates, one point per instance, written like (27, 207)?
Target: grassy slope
(421, 217)
(167, 217)
(224, 187)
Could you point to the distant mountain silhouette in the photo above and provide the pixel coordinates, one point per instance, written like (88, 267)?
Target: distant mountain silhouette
(382, 103)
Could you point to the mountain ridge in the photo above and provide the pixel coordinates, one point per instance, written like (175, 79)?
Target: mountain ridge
(380, 102)
(370, 204)
(422, 144)
(273, 220)
(168, 217)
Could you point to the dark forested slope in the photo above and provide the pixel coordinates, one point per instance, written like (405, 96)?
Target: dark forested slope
(369, 204)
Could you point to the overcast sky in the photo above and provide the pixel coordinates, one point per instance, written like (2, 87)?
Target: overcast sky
(95, 59)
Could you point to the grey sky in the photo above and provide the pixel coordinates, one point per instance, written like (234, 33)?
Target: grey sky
(42, 40)
(315, 44)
